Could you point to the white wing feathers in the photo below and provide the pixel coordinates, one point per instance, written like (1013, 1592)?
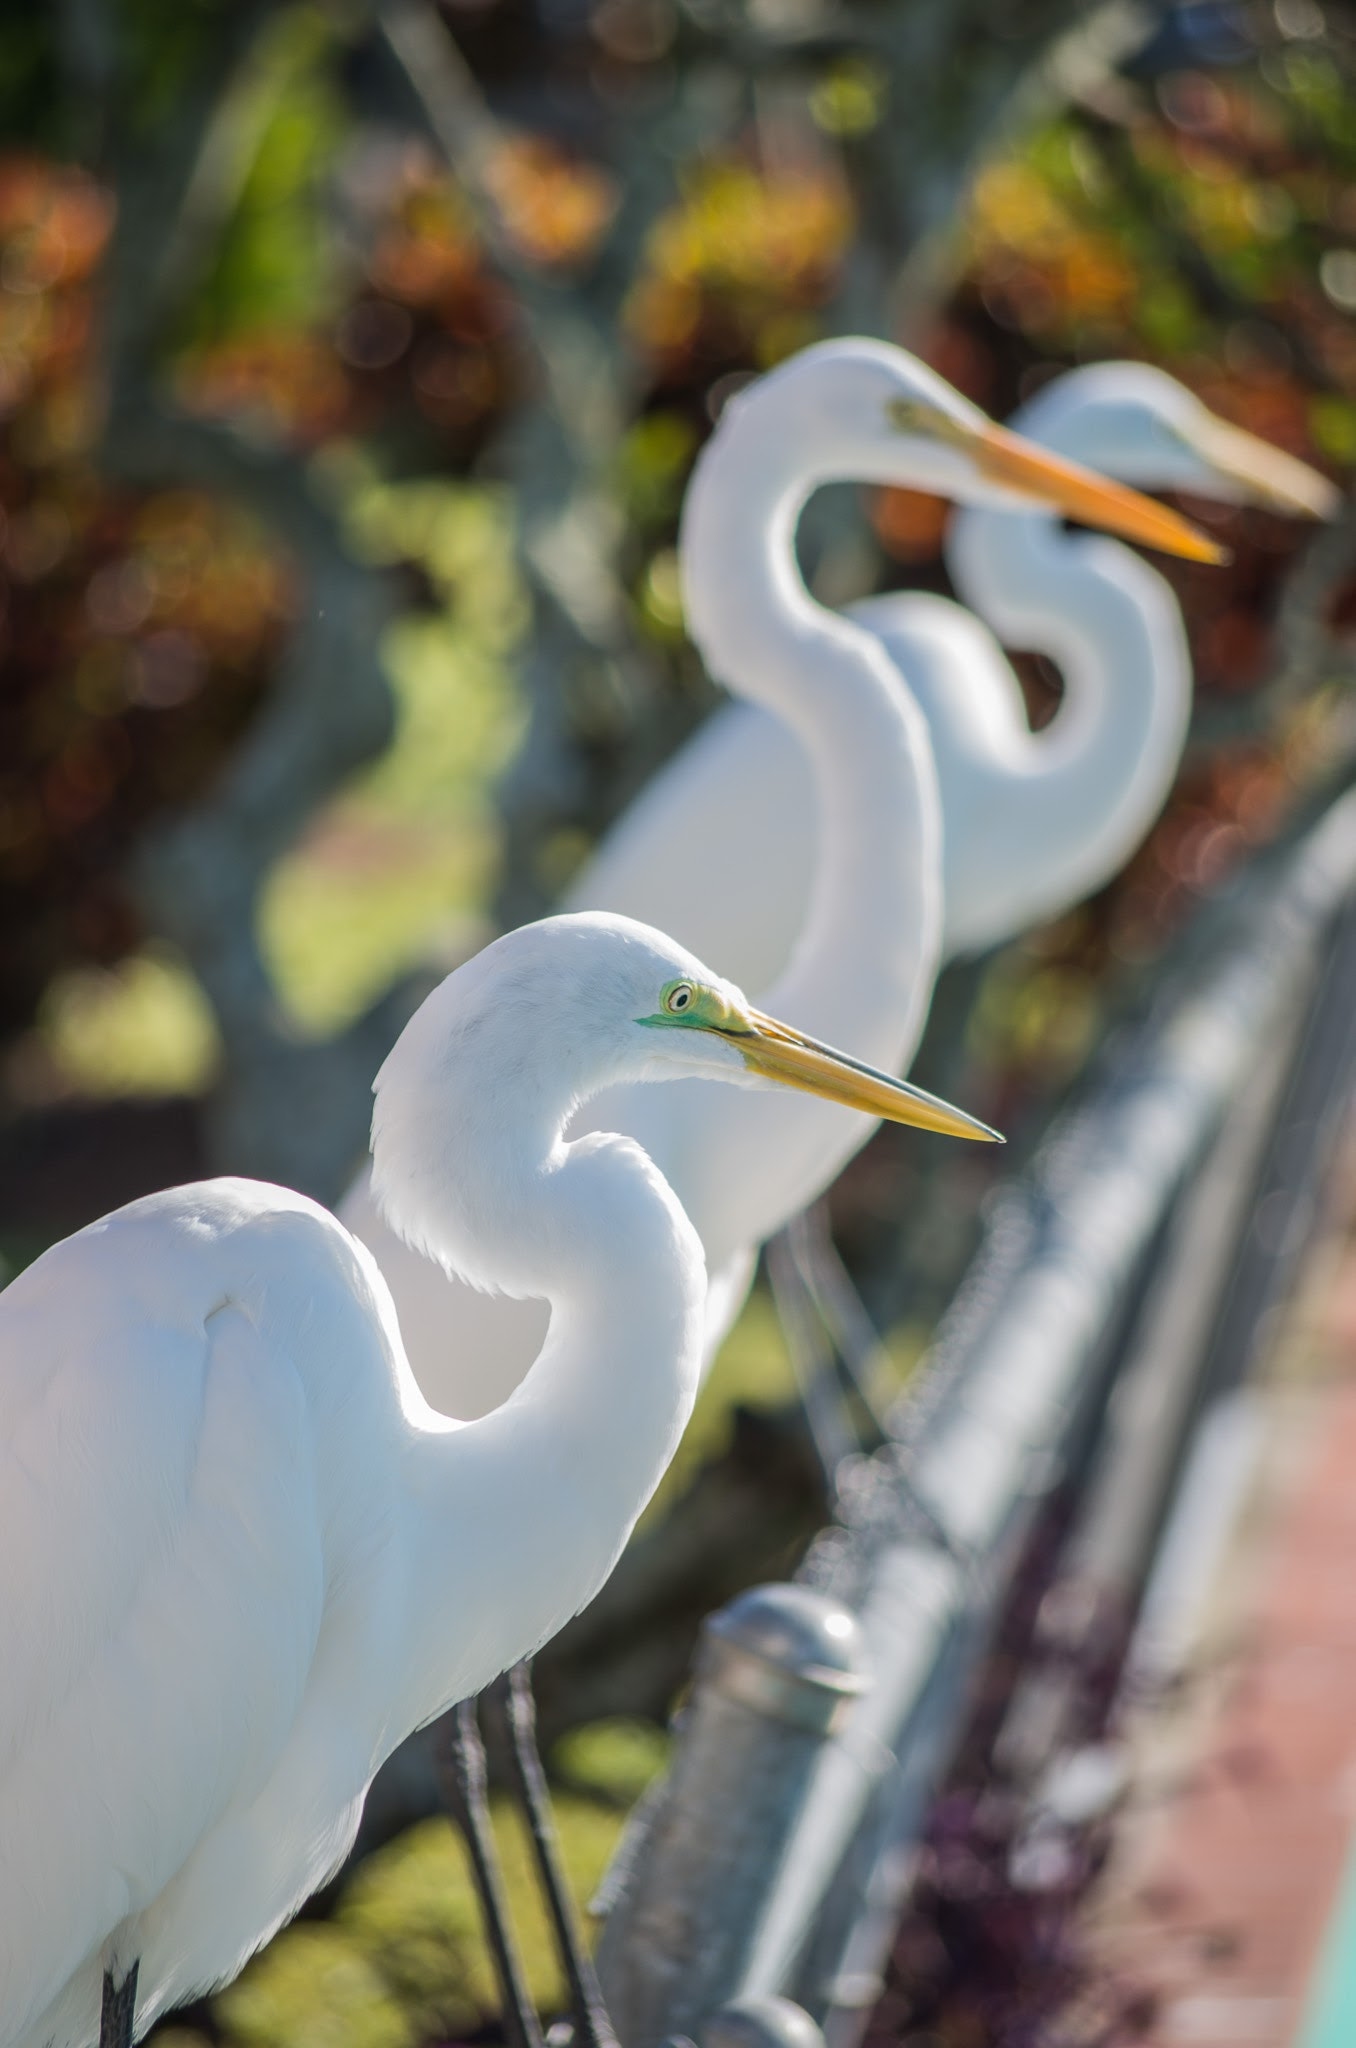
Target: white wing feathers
(162, 1587)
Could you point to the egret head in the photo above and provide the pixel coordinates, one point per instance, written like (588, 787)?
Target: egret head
(1143, 427)
(866, 412)
(553, 1012)
(474, 1096)
(709, 1022)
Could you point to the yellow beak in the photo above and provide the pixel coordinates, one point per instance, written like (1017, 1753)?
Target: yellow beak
(780, 1054)
(1081, 495)
(1264, 475)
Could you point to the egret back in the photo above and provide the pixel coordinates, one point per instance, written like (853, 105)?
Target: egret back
(173, 1386)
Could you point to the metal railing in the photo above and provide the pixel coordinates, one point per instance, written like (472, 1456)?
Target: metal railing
(1138, 1257)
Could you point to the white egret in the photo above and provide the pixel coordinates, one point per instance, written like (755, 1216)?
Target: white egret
(1032, 821)
(869, 931)
(243, 1557)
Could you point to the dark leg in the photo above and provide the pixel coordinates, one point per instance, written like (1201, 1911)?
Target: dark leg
(513, 1695)
(840, 1308)
(815, 1297)
(116, 2021)
(461, 1772)
(826, 1414)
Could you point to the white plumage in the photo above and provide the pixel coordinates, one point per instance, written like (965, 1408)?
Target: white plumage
(182, 1386)
(243, 1557)
(858, 942)
(1031, 822)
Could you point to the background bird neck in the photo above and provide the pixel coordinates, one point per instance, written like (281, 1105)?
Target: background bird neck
(743, 594)
(862, 968)
(1108, 757)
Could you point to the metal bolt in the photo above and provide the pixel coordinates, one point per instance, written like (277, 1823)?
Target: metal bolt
(770, 2022)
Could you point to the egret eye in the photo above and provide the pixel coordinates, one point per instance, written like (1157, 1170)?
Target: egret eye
(679, 998)
(917, 416)
(908, 415)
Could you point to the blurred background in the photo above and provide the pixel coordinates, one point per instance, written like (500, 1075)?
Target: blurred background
(353, 359)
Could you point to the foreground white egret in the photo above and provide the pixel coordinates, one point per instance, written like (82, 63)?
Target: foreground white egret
(1031, 821)
(869, 932)
(243, 1557)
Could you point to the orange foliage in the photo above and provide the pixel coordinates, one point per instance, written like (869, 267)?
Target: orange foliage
(555, 210)
(726, 271)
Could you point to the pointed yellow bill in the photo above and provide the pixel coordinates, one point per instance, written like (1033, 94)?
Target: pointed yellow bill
(780, 1054)
(777, 1053)
(1080, 494)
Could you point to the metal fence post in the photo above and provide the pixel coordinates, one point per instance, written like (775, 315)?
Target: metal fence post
(775, 1673)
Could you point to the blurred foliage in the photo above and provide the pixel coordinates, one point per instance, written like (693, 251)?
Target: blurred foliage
(387, 321)
(352, 301)
(734, 271)
(135, 633)
(273, 268)
(134, 1029)
(613, 1760)
(1196, 213)
(402, 866)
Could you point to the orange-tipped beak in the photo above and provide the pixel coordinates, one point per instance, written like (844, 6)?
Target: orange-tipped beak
(1091, 499)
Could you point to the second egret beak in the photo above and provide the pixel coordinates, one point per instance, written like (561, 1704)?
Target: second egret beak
(780, 1054)
(1263, 475)
(1080, 494)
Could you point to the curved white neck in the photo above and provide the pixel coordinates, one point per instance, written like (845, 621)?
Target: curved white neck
(1076, 798)
(862, 971)
(515, 1521)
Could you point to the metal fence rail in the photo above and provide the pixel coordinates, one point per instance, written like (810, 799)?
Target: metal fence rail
(1135, 1257)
